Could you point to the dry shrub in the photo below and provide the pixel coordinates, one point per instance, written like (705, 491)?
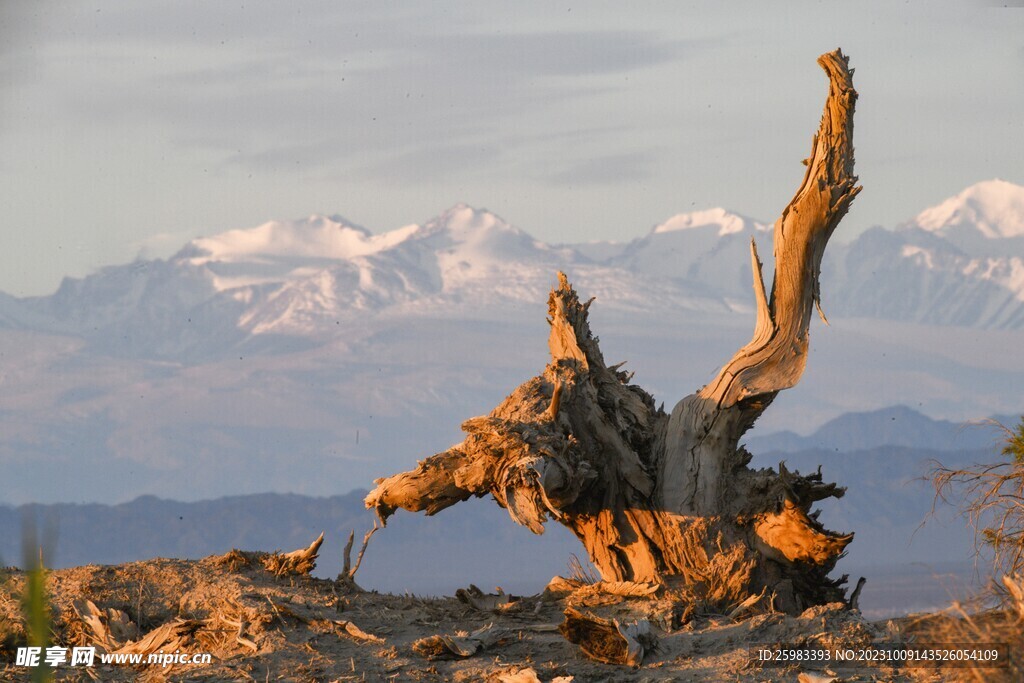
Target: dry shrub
(991, 497)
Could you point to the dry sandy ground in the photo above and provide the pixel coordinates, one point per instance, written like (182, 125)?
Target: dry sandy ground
(260, 627)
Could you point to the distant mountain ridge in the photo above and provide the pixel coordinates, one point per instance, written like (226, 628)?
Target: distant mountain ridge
(955, 264)
(867, 452)
(302, 279)
(893, 426)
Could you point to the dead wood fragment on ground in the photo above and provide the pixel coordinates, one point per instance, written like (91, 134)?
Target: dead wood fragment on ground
(611, 592)
(296, 563)
(347, 577)
(488, 602)
(524, 675)
(608, 640)
(854, 601)
(357, 633)
(560, 586)
(109, 628)
(240, 637)
(811, 677)
(747, 605)
(174, 635)
(459, 646)
(112, 631)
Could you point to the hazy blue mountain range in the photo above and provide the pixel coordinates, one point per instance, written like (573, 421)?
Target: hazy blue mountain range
(893, 426)
(909, 557)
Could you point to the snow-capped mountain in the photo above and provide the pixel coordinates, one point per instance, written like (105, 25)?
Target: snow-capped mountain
(302, 278)
(958, 263)
(705, 251)
(319, 342)
(977, 219)
(460, 246)
(955, 264)
(298, 278)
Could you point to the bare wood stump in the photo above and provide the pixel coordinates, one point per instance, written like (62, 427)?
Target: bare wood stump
(668, 498)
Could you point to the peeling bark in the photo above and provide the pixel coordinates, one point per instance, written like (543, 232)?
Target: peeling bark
(668, 498)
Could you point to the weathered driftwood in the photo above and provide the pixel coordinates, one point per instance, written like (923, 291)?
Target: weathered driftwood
(350, 629)
(668, 498)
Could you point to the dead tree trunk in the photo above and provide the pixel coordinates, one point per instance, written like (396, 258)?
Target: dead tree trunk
(669, 498)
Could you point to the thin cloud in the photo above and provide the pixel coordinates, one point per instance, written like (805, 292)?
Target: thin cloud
(369, 99)
(519, 56)
(431, 163)
(606, 170)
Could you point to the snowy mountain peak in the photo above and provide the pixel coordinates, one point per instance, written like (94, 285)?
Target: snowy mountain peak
(476, 236)
(993, 208)
(315, 236)
(464, 222)
(280, 249)
(726, 221)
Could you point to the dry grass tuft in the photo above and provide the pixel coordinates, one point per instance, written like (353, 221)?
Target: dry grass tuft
(580, 572)
(971, 624)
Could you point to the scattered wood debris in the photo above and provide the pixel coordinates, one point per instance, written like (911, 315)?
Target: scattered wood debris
(109, 628)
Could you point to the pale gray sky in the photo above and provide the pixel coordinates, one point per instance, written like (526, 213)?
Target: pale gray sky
(129, 127)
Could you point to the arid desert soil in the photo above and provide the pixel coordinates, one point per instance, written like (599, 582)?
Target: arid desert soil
(261, 627)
